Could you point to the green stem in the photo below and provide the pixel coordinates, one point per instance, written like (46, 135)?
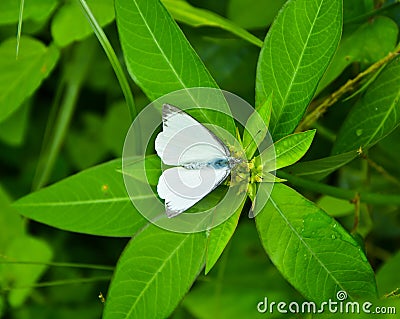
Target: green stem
(112, 57)
(371, 198)
(370, 14)
(75, 72)
(61, 282)
(46, 163)
(58, 264)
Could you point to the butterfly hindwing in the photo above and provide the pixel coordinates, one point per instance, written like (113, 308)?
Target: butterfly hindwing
(181, 188)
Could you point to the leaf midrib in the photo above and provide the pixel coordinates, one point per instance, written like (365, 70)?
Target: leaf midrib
(392, 106)
(211, 80)
(156, 273)
(293, 146)
(289, 88)
(81, 202)
(305, 244)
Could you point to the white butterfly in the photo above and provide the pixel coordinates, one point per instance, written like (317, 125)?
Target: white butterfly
(202, 159)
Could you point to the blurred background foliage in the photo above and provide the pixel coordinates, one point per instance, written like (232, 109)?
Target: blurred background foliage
(65, 65)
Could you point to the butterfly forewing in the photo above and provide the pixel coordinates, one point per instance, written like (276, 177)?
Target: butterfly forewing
(184, 140)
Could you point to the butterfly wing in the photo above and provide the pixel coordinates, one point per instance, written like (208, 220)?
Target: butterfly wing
(181, 188)
(185, 140)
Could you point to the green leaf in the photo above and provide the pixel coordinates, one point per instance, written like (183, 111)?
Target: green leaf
(116, 124)
(161, 60)
(219, 237)
(388, 276)
(84, 146)
(13, 129)
(256, 127)
(152, 167)
(70, 24)
(147, 33)
(355, 9)
(365, 45)
(336, 207)
(240, 279)
(375, 115)
(286, 151)
(251, 14)
(25, 248)
(36, 10)
(296, 52)
(20, 78)
(11, 224)
(155, 271)
(93, 201)
(195, 17)
(320, 168)
(312, 251)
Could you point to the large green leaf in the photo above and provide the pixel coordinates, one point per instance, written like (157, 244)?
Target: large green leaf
(70, 23)
(296, 52)
(158, 56)
(286, 151)
(196, 17)
(257, 127)
(155, 271)
(320, 168)
(37, 10)
(312, 251)
(19, 78)
(93, 202)
(375, 115)
(152, 167)
(366, 45)
(161, 60)
(219, 237)
(241, 278)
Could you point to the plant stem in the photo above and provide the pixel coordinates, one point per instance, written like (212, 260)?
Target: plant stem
(61, 282)
(74, 74)
(372, 13)
(112, 57)
(381, 170)
(59, 264)
(371, 198)
(347, 87)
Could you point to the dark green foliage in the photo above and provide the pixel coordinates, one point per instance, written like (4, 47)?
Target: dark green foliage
(63, 122)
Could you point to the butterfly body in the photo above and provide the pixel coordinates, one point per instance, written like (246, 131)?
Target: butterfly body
(217, 163)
